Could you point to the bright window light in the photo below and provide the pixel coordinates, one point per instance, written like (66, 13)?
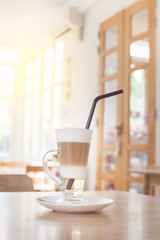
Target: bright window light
(37, 64)
(9, 56)
(59, 51)
(29, 69)
(58, 73)
(139, 51)
(7, 73)
(48, 58)
(48, 78)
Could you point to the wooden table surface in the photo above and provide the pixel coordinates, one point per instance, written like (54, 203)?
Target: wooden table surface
(144, 171)
(151, 177)
(131, 216)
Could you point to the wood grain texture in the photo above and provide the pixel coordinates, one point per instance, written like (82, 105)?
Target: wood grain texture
(131, 216)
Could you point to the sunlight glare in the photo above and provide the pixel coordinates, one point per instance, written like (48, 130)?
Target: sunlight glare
(9, 56)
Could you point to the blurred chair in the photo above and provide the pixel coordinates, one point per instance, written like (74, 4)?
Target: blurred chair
(15, 183)
(12, 167)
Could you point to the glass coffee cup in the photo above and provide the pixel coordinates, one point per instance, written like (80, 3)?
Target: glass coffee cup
(72, 153)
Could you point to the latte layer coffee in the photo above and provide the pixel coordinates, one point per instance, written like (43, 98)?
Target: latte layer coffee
(73, 159)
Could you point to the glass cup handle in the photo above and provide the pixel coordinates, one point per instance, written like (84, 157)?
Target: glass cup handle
(53, 154)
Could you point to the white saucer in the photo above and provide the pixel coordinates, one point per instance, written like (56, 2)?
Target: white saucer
(91, 204)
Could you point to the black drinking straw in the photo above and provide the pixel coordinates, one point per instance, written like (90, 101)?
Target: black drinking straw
(95, 102)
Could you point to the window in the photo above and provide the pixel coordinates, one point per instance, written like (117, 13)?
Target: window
(42, 101)
(8, 59)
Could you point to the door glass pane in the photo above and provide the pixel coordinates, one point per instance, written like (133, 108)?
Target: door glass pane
(111, 37)
(140, 22)
(5, 125)
(108, 162)
(110, 64)
(138, 159)
(138, 107)
(135, 187)
(139, 52)
(110, 114)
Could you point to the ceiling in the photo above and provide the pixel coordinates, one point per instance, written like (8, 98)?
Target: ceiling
(26, 23)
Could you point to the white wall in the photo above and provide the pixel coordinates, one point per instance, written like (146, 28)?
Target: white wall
(85, 71)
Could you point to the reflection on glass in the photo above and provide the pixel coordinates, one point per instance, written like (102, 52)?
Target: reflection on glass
(139, 52)
(5, 125)
(58, 73)
(110, 64)
(138, 107)
(57, 106)
(110, 114)
(135, 187)
(35, 126)
(29, 69)
(108, 162)
(28, 89)
(36, 84)
(7, 73)
(59, 51)
(27, 126)
(37, 64)
(140, 22)
(47, 78)
(107, 185)
(48, 58)
(6, 90)
(46, 126)
(111, 37)
(138, 159)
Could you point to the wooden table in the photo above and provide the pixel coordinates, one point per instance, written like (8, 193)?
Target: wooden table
(131, 216)
(151, 177)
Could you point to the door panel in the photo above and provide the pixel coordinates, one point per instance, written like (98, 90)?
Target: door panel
(139, 83)
(126, 136)
(111, 118)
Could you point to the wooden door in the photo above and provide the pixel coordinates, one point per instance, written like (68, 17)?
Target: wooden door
(139, 87)
(110, 122)
(127, 123)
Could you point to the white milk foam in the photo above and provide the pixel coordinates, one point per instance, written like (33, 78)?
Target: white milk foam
(73, 135)
(73, 171)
